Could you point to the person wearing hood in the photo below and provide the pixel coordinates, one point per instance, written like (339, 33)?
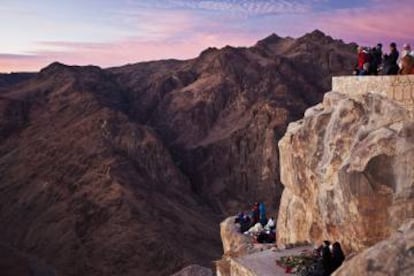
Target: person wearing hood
(406, 51)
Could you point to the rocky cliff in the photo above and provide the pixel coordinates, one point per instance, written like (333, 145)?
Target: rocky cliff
(348, 172)
(393, 256)
(129, 170)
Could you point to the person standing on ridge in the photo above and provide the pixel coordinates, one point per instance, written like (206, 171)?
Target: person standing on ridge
(376, 59)
(363, 62)
(406, 51)
(390, 61)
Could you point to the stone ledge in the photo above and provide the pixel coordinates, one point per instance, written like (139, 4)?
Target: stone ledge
(263, 263)
(398, 88)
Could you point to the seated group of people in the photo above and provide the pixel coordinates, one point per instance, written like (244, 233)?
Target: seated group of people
(330, 257)
(371, 61)
(256, 224)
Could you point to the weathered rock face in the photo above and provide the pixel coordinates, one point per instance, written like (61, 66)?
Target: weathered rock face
(393, 256)
(234, 243)
(348, 172)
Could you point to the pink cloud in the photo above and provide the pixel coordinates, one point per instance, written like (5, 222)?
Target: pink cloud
(183, 34)
(382, 22)
(119, 53)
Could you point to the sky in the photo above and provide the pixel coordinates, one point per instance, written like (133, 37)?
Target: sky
(35, 33)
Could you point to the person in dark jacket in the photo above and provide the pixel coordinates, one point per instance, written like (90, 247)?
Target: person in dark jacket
(338, 256)
(376, 59)
(390, 61)
(326, 259)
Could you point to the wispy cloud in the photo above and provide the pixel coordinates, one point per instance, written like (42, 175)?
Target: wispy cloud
(17, 57)
(246, 7)
(249, 7)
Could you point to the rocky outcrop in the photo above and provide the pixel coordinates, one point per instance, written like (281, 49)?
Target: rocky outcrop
(393, 256)
(348, 172)
(235, 244)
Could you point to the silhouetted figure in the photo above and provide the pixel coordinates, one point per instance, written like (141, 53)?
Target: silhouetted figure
(338, 256)
(390, 61)
(326, 258)
(267, 237)
(376, 59)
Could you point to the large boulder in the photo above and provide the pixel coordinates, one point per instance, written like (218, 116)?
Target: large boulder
(348, 172)
(234, 243)
(393, 256)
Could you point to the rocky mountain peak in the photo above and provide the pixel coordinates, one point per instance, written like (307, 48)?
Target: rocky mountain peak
(60, 68)
(271, 39)
(317, 36)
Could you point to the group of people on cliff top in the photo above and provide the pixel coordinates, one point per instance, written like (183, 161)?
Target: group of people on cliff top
(255, 223)
(372, 61)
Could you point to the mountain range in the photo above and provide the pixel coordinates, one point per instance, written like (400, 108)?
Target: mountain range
(129, 170)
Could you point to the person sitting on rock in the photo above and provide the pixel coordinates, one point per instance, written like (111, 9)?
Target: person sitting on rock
(338, 256)
(270, 225)
(255, 230)
(323, 258)
(239, 217)
(266, 237)
(245, 224)
(244, 221)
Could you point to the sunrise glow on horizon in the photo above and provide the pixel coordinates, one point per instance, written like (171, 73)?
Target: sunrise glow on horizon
(112, 33)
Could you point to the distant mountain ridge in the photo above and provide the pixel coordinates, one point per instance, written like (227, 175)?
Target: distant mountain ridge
(128, 170)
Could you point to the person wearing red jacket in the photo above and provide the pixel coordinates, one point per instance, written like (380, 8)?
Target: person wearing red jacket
(363, 58)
